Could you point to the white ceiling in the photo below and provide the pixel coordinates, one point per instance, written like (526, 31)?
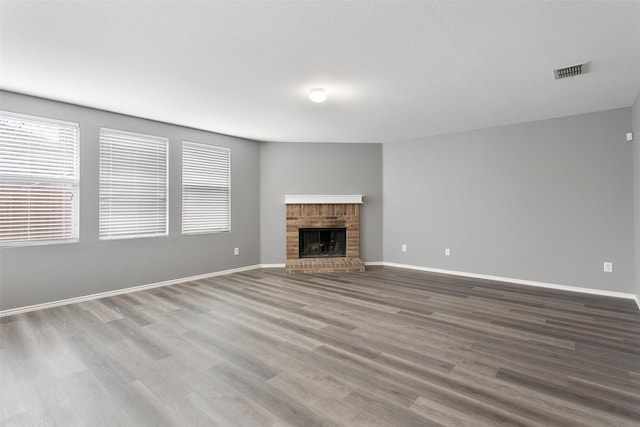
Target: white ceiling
(393, 70)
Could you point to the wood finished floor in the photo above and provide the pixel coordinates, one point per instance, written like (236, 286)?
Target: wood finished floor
(387, 347)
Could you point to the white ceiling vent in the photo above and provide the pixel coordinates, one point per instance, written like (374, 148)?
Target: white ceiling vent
(571, 71)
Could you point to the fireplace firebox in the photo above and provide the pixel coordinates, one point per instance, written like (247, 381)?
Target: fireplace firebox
(323, 242)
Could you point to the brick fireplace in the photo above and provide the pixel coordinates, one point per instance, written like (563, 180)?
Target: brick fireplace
(323, 213)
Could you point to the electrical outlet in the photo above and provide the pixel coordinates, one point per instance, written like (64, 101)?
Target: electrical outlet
(447, 252)
(236, 251)
(608, 267)
(404, 248)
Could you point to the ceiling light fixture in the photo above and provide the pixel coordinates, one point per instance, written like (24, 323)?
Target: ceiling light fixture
(318, 95)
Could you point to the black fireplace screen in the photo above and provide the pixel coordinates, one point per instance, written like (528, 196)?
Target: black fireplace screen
(323, 242)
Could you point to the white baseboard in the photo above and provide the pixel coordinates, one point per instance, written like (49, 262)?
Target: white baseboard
(518, 281)
(46, 305)
(498, 279)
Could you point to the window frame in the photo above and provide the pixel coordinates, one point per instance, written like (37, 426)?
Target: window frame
(71, 181)
(107, 230)
(187, 226)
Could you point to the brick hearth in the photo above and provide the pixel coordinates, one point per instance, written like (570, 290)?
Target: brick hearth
(323, 216)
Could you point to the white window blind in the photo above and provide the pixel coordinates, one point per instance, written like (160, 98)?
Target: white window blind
(133, 185)
(206, 188)
(38, 180)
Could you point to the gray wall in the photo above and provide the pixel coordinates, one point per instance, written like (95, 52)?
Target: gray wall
(545, 201)
(37, 274)
(636, 184)
(291, 168)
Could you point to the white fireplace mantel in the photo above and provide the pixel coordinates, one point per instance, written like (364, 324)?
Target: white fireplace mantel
(322, 199)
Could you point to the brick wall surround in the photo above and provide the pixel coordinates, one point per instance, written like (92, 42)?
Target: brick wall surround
(323, 216)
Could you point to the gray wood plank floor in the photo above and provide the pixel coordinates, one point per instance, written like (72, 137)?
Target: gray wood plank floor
(387, 347)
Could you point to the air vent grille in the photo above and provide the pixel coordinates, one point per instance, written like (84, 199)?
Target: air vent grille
(571, 71)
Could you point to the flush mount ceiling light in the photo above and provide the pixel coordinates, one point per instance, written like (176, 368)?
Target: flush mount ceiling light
(318, 95)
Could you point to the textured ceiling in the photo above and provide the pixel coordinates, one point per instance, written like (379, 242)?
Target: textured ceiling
(393, 70)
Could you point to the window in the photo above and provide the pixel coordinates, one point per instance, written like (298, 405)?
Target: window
(38, 180)
(133, 185)
(206, 188)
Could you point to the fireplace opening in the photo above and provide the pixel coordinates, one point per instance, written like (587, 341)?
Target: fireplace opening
(323, 242)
